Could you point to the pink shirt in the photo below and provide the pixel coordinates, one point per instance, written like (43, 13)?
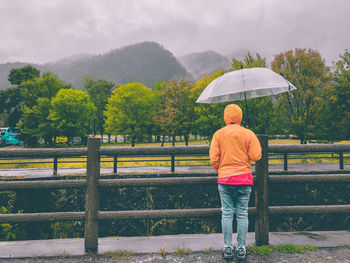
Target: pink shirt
(241, 179)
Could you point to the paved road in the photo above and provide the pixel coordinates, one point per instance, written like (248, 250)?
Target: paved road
(44, 172)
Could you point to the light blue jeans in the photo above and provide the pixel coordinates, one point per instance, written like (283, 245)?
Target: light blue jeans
(234, 197)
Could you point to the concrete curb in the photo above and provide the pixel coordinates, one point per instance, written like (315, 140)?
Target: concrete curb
(196, 242)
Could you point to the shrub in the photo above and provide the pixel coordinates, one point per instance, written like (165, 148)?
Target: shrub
(289, 248)
(260, 250)
(310, 247)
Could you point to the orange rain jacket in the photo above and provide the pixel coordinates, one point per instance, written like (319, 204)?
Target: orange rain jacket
(233, 147)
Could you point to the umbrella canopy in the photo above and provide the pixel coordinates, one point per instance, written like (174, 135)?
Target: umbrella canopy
(245, 84)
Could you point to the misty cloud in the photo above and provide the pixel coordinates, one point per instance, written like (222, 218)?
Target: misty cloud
(41, 31)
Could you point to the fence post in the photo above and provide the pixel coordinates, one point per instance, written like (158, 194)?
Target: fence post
(341, 161)
(261, 195)
(285, 161)
(55, 165)
(115, 164)
(92, 195)
(173, 163)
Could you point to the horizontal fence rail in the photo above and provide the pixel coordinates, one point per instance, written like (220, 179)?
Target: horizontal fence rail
(151, 182)
(42, 184)
(47, 152)
(168, 213)
(40, 217)
(94, 183)
(166, 151)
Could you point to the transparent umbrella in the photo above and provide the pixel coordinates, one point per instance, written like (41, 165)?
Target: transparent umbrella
(245, 84)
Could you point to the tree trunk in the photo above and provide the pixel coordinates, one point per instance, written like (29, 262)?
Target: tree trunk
(186, 140)
(94, 129)
(174, 137)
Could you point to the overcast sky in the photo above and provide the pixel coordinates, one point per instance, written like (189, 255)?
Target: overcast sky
(40, 31)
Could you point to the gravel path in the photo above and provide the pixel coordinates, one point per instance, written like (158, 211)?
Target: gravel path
(325, 255)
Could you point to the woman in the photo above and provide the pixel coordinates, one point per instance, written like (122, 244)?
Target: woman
(231, 150)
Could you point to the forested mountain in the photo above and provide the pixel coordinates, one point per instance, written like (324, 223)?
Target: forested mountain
(146, 62)
(202, 63)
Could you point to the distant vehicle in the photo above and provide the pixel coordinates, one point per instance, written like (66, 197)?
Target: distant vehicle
(10, 136)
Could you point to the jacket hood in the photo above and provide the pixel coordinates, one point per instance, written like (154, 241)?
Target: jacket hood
(233, 114)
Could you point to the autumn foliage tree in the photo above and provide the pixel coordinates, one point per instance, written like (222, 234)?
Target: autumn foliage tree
(306, 69)
(341, 96)
(176, 112)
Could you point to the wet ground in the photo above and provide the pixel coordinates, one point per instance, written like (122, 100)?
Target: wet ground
(324, 255)
(178, 248)
(45, 172)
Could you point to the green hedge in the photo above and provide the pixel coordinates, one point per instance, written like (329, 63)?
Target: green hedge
(141, 198)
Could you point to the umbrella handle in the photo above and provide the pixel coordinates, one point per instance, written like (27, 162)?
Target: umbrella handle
(286, 81)
(246, 107)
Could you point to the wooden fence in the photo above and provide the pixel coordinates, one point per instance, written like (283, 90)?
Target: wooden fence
(122, 156)
(94, 184)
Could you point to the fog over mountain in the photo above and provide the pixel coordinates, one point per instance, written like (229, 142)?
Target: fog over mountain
(202, 63)
(145, 62)
(40, 31)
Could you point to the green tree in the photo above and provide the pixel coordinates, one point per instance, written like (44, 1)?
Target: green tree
(10, 104)
(306, 69)
(11, 98)
(36, 106)
(99, 92)
(72, 113)
(208, 117)
(35, 121)
(19, 75)
(327, 121)
(176, 112)
(45, 87)
(129, 111)
(336, 117)
(249, 61)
